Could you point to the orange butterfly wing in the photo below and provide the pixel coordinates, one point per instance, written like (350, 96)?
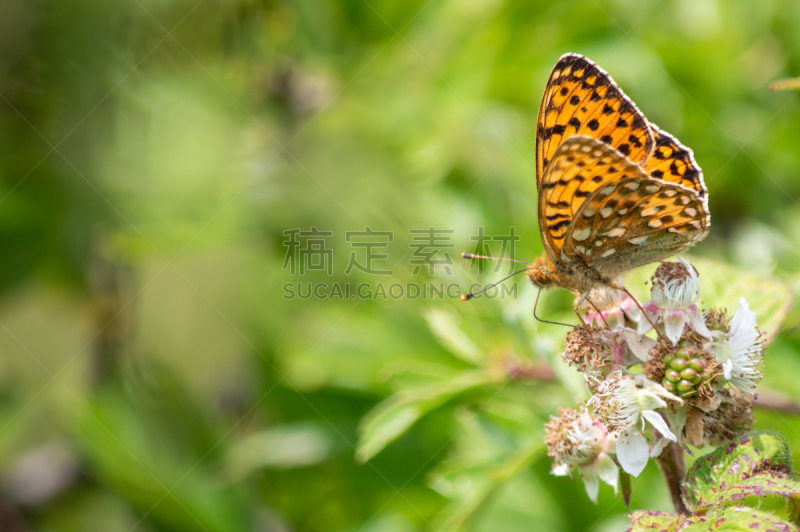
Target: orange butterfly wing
(581, 99)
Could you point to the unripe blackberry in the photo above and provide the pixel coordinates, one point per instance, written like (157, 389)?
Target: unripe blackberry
(685, 387)
(684, 371)
(679, 364)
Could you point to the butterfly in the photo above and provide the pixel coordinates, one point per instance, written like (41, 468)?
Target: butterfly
(615, 191)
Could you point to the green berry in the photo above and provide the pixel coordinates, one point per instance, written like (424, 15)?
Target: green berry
(672, 375)
(684, 386)
(697, 364)
(668, 385)
(689, 374)
(682, 353)
(679, 364)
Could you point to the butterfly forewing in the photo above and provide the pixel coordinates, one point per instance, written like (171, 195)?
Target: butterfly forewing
(674, 162)
(581, 99)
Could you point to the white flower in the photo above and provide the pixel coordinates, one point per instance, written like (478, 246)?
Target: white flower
(639, 346)
(740, 352)
(576, 441)
(625, 402)
(676, 289)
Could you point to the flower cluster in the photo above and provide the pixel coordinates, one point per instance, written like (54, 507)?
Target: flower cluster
(670, 374)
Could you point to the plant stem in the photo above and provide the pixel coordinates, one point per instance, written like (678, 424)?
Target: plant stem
(671, 462)
(774, 401)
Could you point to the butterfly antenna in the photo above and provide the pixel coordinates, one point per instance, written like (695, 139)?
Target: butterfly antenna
(546, 321)
(467, 297)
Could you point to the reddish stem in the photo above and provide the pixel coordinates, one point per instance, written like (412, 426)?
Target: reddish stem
(671, 462)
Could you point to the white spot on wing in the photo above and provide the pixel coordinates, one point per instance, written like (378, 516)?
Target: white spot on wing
(655, 223)
(565, 258)
(638, 240)
(581, 249)
(605, 212)
(691, 211)
(633, 185)
(588, 213)
(598, 243)
(581, 234)
(652, 189)
(608, 190)
(608, 252)
(617, 231)
(622, 212)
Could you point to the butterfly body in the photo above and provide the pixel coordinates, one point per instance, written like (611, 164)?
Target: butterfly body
(615, 191)
(577, 277)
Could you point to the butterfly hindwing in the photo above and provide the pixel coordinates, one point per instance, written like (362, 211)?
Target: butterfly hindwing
(634, 221)
(580, 167)
(582, 99)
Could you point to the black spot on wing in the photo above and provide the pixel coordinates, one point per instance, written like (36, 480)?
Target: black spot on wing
(558, 225)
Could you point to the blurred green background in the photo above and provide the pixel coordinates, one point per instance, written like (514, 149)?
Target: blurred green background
(153, 153)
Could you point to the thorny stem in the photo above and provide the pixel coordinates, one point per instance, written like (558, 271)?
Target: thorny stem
(671, 462)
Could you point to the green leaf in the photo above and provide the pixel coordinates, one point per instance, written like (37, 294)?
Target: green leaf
(126, 453)
(470, 488)
(735, 518)
(746, 520)
(651, 520)
(391, 418)
(757, 464)
(281, 447)
(453, 338)
(722, 285)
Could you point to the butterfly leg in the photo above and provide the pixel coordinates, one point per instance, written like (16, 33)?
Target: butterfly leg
(586, 326)
(599, 313)
(619, 287)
